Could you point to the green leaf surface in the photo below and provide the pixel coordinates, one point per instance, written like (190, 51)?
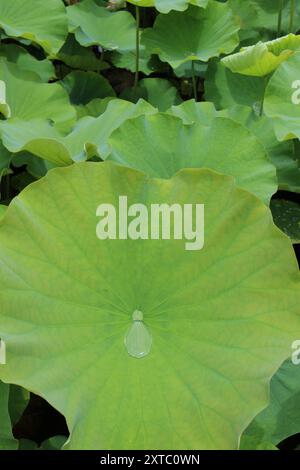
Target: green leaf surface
(286, 215)
(165, 6)
(83, 87)
(281, 418)
(44, 23)
(44, 69)
(96, 25)
(158, 92)
(214, 350)
(200, 34)
(282, 99)
(262, 58)
(167, 146)
(226, 89)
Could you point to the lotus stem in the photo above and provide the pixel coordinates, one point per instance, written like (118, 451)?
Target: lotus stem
(194, 81)
(280, 8)
(137, 51)
(292, 14)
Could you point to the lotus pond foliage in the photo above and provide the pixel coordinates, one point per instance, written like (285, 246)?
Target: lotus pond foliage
(138, 343)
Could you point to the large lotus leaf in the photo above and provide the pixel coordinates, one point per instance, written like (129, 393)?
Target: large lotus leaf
(282, 99)
(226, 89)
(78, 57)
(83, 87)
(217, 338)
(44, 23)
(45, 141)
(262, 58)
(44, 69)
(7, 442)
(165, 6)
(200, 34)
(158, 92)
(286, 215)
(96, 25)
(26, 99)
(281, 418)
(166, 146)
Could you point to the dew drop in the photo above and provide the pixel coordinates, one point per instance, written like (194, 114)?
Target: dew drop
(138, 340)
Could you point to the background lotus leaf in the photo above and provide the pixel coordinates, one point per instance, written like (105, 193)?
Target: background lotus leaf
(167, 146)
(204, 33)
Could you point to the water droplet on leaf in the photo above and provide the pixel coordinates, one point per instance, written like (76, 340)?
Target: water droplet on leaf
(138, 339)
